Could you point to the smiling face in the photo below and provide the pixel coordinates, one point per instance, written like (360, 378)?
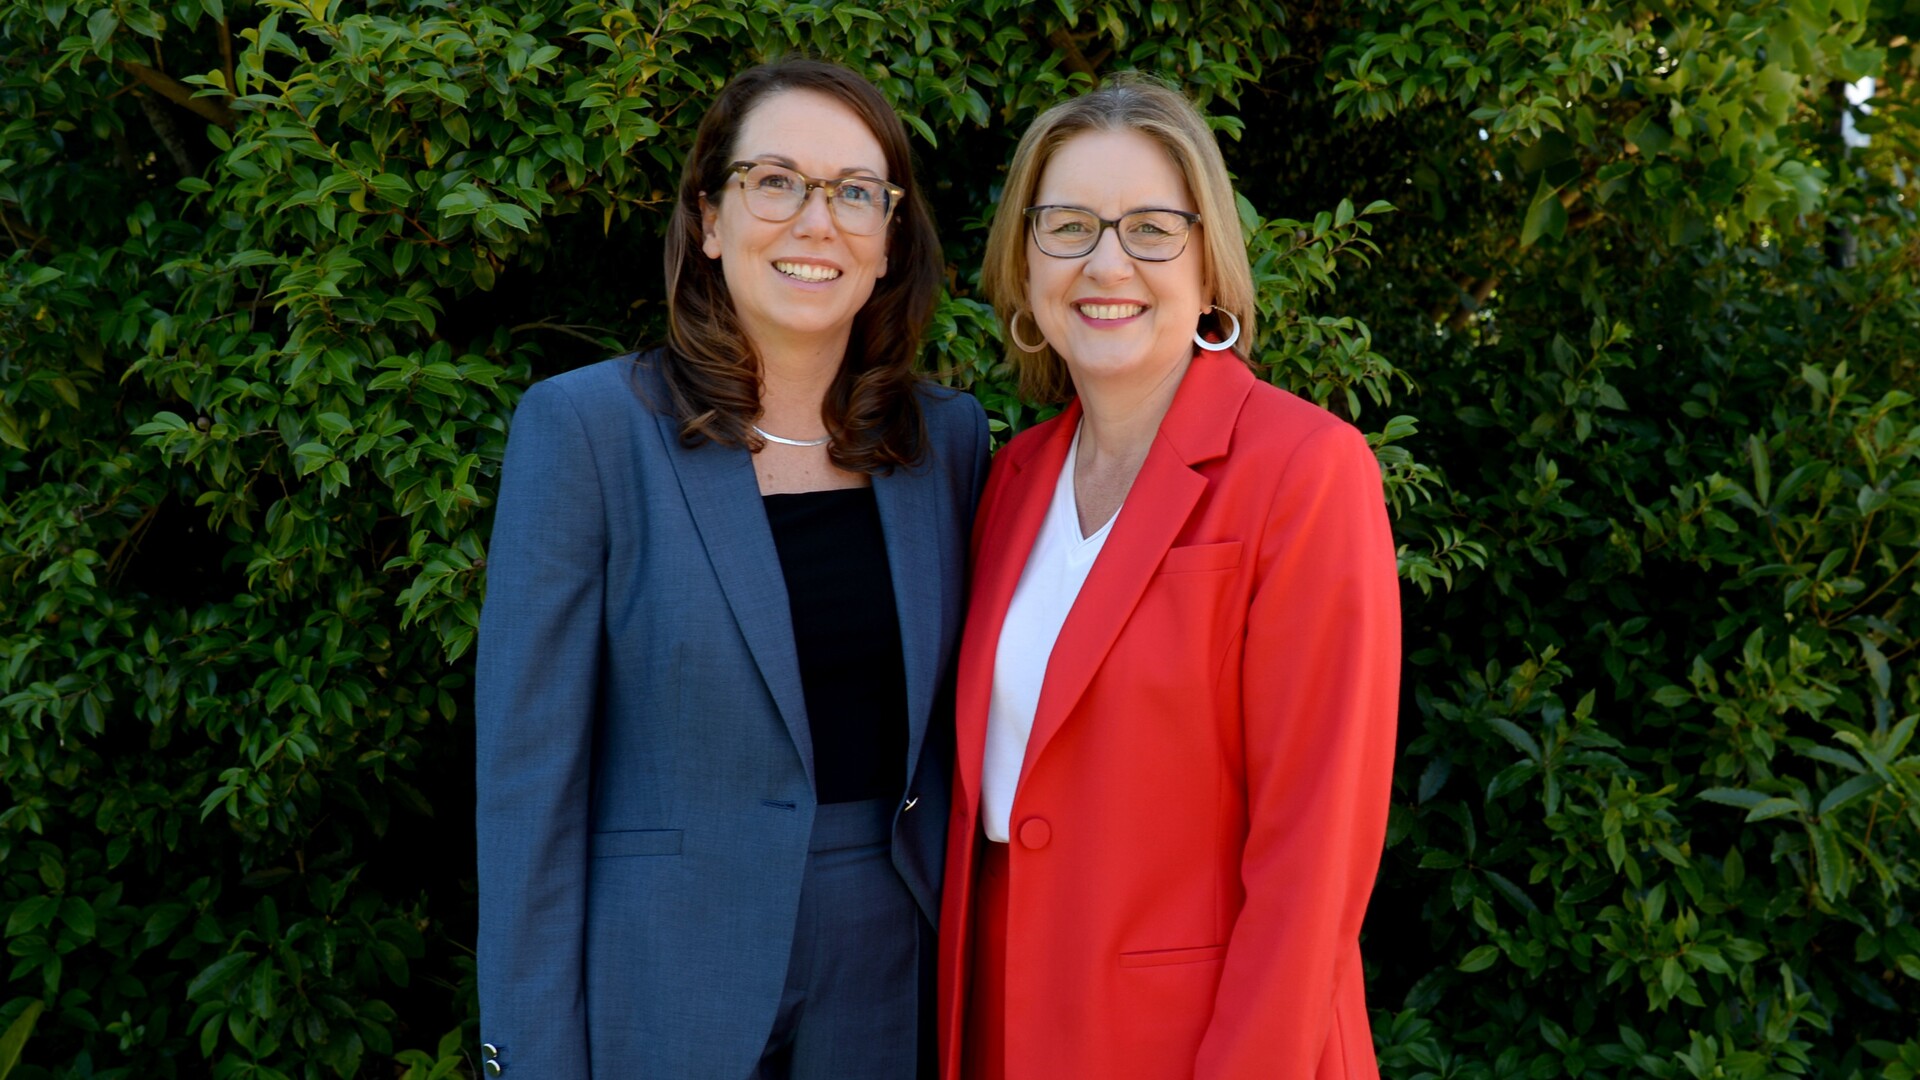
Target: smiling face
(1109, 316)
(796, 285)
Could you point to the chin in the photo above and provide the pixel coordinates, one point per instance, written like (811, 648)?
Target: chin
(813, 323)
(1109, 359)
(820, 321)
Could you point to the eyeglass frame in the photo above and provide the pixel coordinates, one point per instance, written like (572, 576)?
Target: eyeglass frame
(832, 187)
(1191, 218)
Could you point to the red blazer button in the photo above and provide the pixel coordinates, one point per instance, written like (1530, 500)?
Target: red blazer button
(1035, 832)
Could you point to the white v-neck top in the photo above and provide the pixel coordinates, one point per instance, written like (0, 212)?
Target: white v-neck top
(1056, 568)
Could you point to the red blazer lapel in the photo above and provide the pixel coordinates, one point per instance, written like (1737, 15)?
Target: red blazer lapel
(1004, 531)
(1198, 427)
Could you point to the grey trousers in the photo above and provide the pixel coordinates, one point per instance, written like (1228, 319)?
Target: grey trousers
(852, 1008)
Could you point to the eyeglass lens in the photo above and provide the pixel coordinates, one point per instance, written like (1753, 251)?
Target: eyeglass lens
(858, 204)
(1152, 235)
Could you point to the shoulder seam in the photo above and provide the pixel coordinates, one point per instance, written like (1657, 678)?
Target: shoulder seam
(593, 458)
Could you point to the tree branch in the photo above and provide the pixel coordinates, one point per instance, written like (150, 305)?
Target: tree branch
(1472, 293)
(226, 56)
(169, 135)
(1075, 59)
(209, 109)
(22, 236)
(569, 329)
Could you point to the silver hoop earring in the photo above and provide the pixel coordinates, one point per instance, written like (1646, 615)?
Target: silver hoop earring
(1219, 346)
(1013, 332)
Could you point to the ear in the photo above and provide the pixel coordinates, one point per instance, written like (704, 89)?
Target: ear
(709, 216)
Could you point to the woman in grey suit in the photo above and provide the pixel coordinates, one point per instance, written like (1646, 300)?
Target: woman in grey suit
(725, 590)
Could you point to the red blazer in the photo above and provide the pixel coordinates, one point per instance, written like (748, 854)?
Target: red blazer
(1204, 797)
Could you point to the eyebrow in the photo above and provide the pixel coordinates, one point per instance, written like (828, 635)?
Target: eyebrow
(851, 170)
(1123, 213)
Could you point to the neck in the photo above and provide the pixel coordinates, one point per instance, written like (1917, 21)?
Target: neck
(794, 380)
(1120, 416)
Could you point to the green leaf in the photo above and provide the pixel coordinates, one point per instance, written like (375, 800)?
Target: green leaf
(921, 128)
(1762, 468)
(162, 423)
(1545, 216)
(1646, 133)
(78, 915)
(1514, 734)
(1832, 862)
(31, 914)
(1479, 959)
(1772, 808)
(14, 1040)
(100, 27)
(1745, 800)
(217, 974)
(1672, 696)
(1512, 892)
(1433, 778)
(1672, 976)
(1848, 793)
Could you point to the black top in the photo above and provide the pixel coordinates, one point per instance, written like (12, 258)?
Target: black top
(847, 631)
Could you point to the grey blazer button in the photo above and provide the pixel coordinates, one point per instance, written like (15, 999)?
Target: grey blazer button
(492, 1067)
(489, 1051)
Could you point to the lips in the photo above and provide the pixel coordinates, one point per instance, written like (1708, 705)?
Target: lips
(801, 271)
(1109, 311)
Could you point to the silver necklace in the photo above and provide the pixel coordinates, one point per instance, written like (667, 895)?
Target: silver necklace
(771, 437)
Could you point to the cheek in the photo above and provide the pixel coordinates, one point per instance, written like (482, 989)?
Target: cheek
(1181, 299)
(1046, 286)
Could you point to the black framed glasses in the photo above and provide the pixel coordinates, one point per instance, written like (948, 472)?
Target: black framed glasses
(1150, 235)
(859, 204)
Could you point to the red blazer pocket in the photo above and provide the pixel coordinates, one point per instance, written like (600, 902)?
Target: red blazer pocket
(1167, 957)
(1198, 557)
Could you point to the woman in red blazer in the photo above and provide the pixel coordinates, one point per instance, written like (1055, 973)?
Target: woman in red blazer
(1178, 682)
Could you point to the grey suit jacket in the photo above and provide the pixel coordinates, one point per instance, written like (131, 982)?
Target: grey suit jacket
(645, 771)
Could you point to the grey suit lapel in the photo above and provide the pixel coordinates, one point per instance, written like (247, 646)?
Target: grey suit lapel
(720, 489)
(911, 517)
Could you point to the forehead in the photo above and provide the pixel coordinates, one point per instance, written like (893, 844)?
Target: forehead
(1112, 172)
(818, 134)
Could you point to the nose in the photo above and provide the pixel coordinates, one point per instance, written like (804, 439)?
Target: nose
(815, 217)
(1108, 261)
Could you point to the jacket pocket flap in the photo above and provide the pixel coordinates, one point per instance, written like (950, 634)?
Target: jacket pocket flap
(610, 845)
(1195, 557)
(1165, 957)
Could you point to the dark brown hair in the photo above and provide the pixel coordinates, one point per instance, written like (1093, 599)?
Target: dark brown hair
(712, 373)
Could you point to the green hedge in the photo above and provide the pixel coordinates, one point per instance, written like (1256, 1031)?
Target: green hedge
(1630, 325)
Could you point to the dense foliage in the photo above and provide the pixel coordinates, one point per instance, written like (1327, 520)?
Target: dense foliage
(1633, 345)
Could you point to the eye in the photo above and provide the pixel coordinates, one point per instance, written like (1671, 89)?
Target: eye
(1154, 227)
(775, 180)
(858, 194)
(1067, 228)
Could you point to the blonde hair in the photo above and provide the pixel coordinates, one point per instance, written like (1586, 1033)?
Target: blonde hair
(1129, 101)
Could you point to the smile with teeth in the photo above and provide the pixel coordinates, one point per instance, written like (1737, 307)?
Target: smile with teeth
(1111, 311)
(807, 271)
